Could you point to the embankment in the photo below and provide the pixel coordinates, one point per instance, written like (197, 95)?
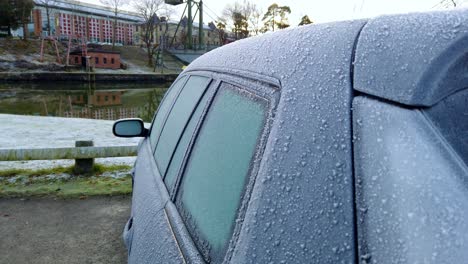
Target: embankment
(85, 77)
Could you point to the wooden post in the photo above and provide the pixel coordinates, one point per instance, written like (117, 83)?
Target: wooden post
(42, 50)
(68, 50)
(83, 166)
(59, 59)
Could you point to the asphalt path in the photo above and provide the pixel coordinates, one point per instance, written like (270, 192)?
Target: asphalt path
(49, 230)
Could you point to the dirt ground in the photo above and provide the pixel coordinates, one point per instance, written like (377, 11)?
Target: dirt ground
(48, 230)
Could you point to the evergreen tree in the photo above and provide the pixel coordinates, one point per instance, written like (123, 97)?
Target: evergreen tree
(275, 17)
(23, 10)
(8, 15)
(305, 20)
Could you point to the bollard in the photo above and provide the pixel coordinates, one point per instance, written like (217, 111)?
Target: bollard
(84, 166)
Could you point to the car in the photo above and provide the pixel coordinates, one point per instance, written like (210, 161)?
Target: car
(344, 142)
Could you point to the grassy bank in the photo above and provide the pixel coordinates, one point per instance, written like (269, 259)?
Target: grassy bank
(61, 182)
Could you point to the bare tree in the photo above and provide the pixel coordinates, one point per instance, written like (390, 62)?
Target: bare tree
(115, 5)
(221, 28)
(148, 11)
(48, 6)
(255, 20)
(78, 22)
(448, 3)
(239, 15)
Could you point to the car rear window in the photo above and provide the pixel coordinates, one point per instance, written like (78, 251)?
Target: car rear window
(216, 174)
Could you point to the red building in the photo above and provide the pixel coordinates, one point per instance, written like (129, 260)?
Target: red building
(68, 18)
(97, 59)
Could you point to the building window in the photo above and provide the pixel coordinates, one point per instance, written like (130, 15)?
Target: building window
(112, 61)
(96, 60)
(105, 60)
(76, 60)
(106, 98)
(98, 98)
(114, 98)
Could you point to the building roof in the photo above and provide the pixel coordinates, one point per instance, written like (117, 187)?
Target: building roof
(92, 9)
(71, 5)
(78, 52)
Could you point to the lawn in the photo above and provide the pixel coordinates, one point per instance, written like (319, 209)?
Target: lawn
(60, 182)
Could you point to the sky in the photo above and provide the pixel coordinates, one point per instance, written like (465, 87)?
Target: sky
(320, 11)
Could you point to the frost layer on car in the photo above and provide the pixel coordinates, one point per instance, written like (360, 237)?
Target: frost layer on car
(411, 188)
(415, 59)
(301, 209)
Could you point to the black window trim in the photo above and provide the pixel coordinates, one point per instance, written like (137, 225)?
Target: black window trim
(271, 102)
(212, 88)
(210, 80)
(187, 77)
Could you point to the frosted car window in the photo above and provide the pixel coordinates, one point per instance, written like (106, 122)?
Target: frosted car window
(163, 109)
(177, 159)
(177, 119)
(217, 171)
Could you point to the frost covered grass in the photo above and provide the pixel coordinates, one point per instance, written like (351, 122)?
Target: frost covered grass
(98, 169)
(60, 181)
(75, 187)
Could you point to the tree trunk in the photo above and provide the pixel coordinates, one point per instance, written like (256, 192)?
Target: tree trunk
(150, 55)
(114, 29)
(48, 21)
(25, 31)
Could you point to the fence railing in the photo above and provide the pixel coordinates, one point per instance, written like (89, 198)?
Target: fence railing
(84, 154)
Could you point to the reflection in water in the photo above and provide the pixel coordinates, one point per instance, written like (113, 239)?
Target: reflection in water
(96, 101)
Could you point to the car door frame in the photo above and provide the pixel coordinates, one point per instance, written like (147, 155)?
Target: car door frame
(267, 89)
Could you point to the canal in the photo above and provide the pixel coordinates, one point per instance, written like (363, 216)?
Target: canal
(106, 101)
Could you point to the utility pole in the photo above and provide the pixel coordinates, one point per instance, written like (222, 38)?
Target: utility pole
(190, 25)
(190, 18)
(201, 33)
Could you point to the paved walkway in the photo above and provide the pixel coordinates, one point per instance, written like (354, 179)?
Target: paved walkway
(48, 230)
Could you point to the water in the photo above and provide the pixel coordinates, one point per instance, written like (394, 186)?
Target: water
(108, 101)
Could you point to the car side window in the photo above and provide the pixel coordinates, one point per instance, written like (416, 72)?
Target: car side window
(177, 120)
(218, 169)
(163, 109)
(179, 154)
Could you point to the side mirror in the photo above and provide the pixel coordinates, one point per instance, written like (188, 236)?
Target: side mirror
(129, 127)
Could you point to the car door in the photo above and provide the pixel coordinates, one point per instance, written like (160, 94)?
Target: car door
(213, 169)
(410, 126)
(152, 239)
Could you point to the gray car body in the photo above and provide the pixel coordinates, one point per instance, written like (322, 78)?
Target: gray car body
(305, 205)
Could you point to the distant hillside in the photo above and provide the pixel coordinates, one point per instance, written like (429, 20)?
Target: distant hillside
(18, 55)
(138, 57)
